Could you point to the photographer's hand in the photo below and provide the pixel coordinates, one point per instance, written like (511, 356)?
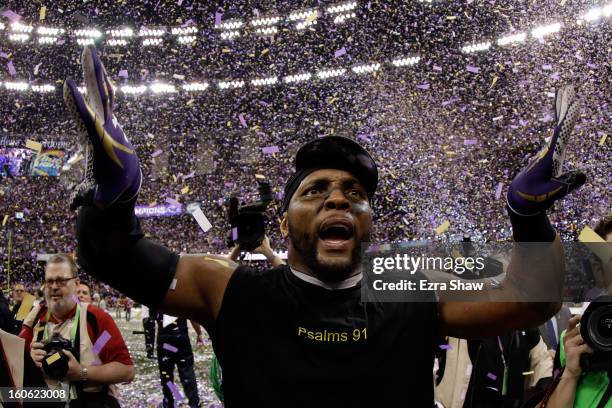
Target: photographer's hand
(266, 250)
(574, 347)
(38, 354)
(74, 368)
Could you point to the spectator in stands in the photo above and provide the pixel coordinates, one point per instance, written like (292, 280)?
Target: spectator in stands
(83, 293)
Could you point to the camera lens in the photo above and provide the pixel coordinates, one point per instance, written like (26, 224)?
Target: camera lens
(604, 326)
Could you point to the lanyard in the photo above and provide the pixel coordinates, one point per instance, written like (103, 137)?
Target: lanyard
(75, 324)
(505, 379)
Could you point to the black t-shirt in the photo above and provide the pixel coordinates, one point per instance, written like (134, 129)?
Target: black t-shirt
(282, 341)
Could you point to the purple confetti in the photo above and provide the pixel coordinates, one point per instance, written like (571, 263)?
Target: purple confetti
(424, 86)
(446, 347)
(546, 118)
(472, 69)
(242, 120)
(3, 55)
(156, 153)
(11, 15)
(523, 122)
(264, 103)
(175, 391)
(123, 73)
(547, 67)
(179, 2)
(235, 233)
(555, 76)
(101, 342)
(492, 376)
(218, 18)
(188, 176)
(437, 68)
(340, 52)
(469, 142)
(169, 347)
(11, 68)
(498, 190)
(270, 149)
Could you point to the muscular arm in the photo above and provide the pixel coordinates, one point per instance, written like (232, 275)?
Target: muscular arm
(200, 285)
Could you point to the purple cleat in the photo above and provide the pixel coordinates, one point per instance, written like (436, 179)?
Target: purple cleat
(112, 170)
(541, 183)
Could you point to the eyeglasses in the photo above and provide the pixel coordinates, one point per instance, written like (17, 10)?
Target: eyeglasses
(18, 290)
(60, 281)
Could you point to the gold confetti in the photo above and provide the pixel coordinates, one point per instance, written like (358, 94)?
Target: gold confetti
(42, 13)
(495, 78)
(442, 227)
(185, 190)
(603, 140)
(34, 145)
(5, 220)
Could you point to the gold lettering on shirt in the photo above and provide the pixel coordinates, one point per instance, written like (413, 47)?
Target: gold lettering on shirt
(331, 336)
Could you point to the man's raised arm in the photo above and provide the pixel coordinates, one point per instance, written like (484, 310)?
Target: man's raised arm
(111, 246)
(533, 288)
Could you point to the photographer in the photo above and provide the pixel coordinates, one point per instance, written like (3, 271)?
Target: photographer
(577, 388)
(64, 343)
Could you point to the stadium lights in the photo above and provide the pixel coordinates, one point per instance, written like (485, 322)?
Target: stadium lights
(16, 86)
(264, 81)
(146, 32)
(43, 88)
(1, 26)
(228, 35)
(19, 37)
(542, 31)
(482, 46)
(401, 62)
(330, 73)
(340, 8)
(122, 33)
(50, 31)
(114, 41)
(195, 86)
(184, 30)
(303, 24)
(133, 90)
(343, 17)
(159, 88)
(47, 40)
(85, 41)
(152, 41)
(230, 25)
(88, 33)
(297, 78)
(21, 28)
(596, 13)
(303, 15)
(267, 30)
(512, 39)
(231, 84)
(366, 68)
(186, 39)
(265, 21)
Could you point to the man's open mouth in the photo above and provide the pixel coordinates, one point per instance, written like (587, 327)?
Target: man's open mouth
(336, 233)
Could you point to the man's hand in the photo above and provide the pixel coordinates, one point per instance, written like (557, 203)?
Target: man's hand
(38, 353)
(541, 183)
(264, 248)
(74, 368)
(574, 347)
(112, 168)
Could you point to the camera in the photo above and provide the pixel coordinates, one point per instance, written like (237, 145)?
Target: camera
(596, 330)
(248, 223)
(55, 364)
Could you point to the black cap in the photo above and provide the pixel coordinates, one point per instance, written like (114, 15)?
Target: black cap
(332, 152)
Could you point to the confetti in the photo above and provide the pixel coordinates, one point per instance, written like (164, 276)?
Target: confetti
(446, 347)
(169, 347)
(424, 86)
(157, 153)
(242, 120)
(270, 149)
(442, 227)
(123, 73)
(498, 190)
(11, 68)
(492, 376)
(42, 13)
(201, 219)
(175, 392)
(34, 145)
(11, 15)
(101, 342)
(340, 52)
(472, 69)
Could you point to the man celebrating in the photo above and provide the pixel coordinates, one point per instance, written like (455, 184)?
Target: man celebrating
(280, 336)
(99, 358)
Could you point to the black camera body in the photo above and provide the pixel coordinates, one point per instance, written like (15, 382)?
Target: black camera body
(55, 364)
(248, 223)
(596, 330)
